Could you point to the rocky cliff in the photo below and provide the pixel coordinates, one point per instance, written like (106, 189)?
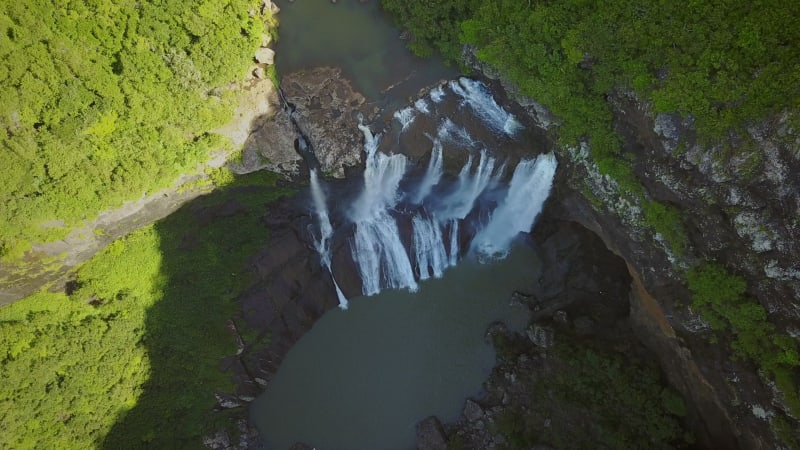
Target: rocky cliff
(733, 204)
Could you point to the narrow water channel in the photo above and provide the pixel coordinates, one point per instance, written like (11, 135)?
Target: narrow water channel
(363, 378)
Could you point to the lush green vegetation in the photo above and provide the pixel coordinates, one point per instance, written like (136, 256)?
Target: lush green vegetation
(105, 100)
(724, 63)
(721, 298)
(614, 402)
(130, 356)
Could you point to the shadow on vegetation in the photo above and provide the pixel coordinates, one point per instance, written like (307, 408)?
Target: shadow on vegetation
(204, 247)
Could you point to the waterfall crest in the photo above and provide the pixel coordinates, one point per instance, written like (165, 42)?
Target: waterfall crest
(478, 97)
(432, 176)
(405, 116)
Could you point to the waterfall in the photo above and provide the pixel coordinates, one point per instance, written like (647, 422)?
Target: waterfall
(421, 105)
(469, 187)
(378, 251)
(432, 176)
(437, 94)
(528, 190)
(429, 249)
(323, 243)
(405, 116)
(405, 235)
(478, 97)
(453, 242)
(454, 133)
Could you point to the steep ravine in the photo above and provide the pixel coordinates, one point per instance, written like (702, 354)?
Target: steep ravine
(584, 291)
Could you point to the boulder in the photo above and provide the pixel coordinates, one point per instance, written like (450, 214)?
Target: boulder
(541, 336)
(265, 56)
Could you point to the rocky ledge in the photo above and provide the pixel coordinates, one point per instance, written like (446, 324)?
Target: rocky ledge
(321, 106)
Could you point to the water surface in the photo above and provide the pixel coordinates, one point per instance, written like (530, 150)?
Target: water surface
(359, 38)
(363, 378)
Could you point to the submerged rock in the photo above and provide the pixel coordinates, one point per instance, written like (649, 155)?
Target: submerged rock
(430, 435)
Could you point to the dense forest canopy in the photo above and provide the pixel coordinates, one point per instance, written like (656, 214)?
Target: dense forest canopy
(725, 63)
(130, 356)
(106, 100)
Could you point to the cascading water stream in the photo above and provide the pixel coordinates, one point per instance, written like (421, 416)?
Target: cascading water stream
(478, 97)
(432, 176)
(432, 208)
(378, 251)
(323, 243)
(529, 188)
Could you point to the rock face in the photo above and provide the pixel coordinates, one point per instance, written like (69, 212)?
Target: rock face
(430, 435)
(740, 208)
(292, 290)
(265, 56)
(327, 110)
(259, 101)
(324, 106)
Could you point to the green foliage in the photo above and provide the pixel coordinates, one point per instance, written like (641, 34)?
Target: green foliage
(433, 24)
(130, 357)
(666, 220)
(629, 401)
(616, 404)
(104, 100)
(272, 74)
(721, 297)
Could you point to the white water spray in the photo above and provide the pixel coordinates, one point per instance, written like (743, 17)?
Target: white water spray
(454, 242)
(405, 116)
(377, 249)
(429, 249)
(529, 188)
(437, 94)
(432, 176)
(421, 105)
(470, 186)
(478, 97)
(323, 244)
(454, 133)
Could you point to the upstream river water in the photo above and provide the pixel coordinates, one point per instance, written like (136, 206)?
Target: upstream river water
(356, 36)
(363, 377)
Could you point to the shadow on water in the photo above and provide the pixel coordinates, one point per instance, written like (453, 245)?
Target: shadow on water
(204, 248)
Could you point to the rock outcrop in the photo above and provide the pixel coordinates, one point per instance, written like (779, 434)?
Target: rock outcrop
(322, 104)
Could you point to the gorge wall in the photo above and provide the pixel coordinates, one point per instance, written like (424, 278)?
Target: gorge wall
(739, 212)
